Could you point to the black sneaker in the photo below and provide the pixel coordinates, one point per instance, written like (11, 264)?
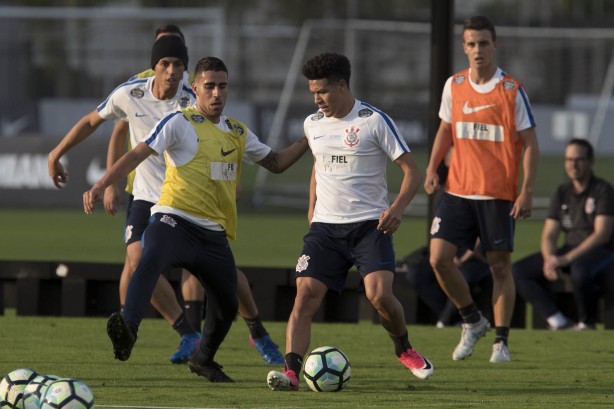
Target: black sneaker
(212, 371)
(121, 337)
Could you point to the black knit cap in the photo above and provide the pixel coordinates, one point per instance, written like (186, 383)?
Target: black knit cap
(169, 46)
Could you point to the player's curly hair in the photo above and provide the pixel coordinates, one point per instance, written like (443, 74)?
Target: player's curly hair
(209, 64)
(330, 66)
(480, 23)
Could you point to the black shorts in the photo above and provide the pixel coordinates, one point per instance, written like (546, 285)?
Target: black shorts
(330, 250)
(137, 219)
(461, 221)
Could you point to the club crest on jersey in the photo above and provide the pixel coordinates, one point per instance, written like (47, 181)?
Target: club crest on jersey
(365, 113)
(589, 206)
(199, 119)
(507, 84)
(351, 137)
(303, 263)
(137, 93)
(317, 116)
(459, 79)
(184, 102)
(239, 129)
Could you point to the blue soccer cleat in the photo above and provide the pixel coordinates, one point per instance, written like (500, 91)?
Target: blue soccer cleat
(187, 346)
(268, 350)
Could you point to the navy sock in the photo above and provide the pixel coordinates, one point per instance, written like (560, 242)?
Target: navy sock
(401, 344)
(294, 362)
(501, 334)
(470, 314)
(194, 313)
(256, 329)
(182, 326)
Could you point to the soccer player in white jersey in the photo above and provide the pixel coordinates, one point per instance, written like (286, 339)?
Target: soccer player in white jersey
(196, 213)
(351, 219)
(192, 291)
(142, 102)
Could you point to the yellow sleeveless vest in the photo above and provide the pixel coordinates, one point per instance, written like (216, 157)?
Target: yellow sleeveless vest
(206, 186)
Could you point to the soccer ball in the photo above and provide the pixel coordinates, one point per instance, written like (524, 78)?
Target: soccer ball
(35, 390)
(327, 369)
(67, 393)
(12, 386)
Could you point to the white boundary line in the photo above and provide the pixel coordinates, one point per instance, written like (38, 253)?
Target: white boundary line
(149, 407)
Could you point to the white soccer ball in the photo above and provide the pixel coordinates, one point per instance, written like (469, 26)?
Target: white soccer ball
(35, 390)
(12, 386)
(327, 369)
(67, 393)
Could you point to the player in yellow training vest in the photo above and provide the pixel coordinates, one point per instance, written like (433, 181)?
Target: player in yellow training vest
(201, 166)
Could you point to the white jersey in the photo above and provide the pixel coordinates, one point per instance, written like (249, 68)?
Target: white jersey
(135, 102)
(350, 163)
(176, 139)
(524, 113)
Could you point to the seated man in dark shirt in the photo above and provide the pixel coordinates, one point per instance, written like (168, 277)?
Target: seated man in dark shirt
(582, 209)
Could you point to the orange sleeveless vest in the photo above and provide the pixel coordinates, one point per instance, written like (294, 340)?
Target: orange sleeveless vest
(487, 148)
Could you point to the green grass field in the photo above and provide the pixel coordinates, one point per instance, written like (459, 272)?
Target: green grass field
(263, 239)
(549, 369)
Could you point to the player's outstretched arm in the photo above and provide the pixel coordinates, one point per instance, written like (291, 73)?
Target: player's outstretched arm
(81, 130)
(117, 147)
(122, 167)
(278, 162)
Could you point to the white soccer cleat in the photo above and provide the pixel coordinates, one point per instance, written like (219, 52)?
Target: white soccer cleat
(282, 381)
(500, 353)
(470, 334)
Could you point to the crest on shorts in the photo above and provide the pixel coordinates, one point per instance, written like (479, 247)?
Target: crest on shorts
(303, 263)
(199, 119)
(351, 137)
(168, 220)
(459, 79)
(435, 225)
(589, 205)
(128, 233)
(137, 93)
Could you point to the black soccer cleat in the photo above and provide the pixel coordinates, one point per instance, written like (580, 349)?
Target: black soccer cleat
(212, 371)
(121, 337)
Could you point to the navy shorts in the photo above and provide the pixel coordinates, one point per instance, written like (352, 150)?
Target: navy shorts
(461, 221)
(137, 219)
(330, 250)
(171, 241)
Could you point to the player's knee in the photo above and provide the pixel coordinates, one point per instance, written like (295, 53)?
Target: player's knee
(382, 301)
(440, 264)
(306, 304)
